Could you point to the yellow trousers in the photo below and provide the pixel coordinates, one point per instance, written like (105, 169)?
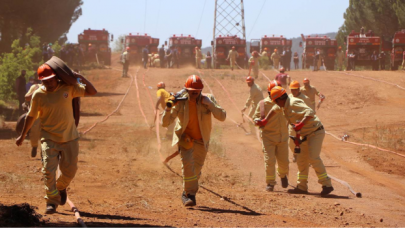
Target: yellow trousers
(232, 63)
(275, 152)
(198, 63)
(192, 162)
(66, 156)
(255, 72)
(35, 133)
(310, 154)
(276, 64)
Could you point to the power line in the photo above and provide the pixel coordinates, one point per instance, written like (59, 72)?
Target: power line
(264, 2)
(144, 20)
(202, 13)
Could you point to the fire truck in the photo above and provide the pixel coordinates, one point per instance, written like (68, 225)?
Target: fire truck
(270, 43)
(96, 45)
(363, 47)
(398, 48)
(185, 46)
(327, 47)
(223, 44)
(136, 43)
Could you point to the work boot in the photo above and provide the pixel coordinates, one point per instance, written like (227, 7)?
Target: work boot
(50, 208)
(296, 191)
(34, 152)
(187, 201)
(270, 188)
(326, 190)
(63, 196)
(192, 197)
(284, 182)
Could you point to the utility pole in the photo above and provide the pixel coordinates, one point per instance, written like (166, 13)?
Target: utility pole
(229, 19)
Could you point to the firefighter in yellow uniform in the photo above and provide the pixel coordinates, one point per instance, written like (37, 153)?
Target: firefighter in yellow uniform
(36, 127)
(198, 57)
(265, 56)
(254, 63)
(340, 58)
(125, 62)
(274, 136)
(304, 120)
(192, 132)
(275, 57)
(311, 91)
(295, 92)
(320, 59)
(255, 96)
(232, 56)
(162, 98)
(52, 103)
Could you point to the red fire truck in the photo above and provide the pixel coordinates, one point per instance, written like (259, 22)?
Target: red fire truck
(137, 42)
(398, 48)
(185, 46)
(327, 46)
(223, 44)
(363, 47)
(95, 45)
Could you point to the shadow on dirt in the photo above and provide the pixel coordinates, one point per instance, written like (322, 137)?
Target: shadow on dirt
(19, 215)
(90, 114)
(221, 211)
(108, 94)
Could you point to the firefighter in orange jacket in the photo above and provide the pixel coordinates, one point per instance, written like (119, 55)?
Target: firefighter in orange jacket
(192, 132)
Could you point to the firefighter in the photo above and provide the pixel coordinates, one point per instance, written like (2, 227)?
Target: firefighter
(168, 58)
(374, 58)
(145, 56)
(52, 103)
(303, 119)
(254, 63)
(310, 91)
(162, 56)
(284, 78)
(265, 55)
(288, 59)
(255, 96)
(275, 57)
(295, 92)
(381, 57)
(192, 135)
(340, 58)
(317, 58)
(274, 136)
(232, 56)
(296, 61)
(352, 61)
(162, 98)
(36, 127)
(198, 57)
(125, 62)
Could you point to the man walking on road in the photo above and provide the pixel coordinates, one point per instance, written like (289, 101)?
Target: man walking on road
(20, 90)
(311, 91)
(125, 62)
(193, 130)
(162, 56)
(254, 64)
(274, 136)
(275, 57)
(52, 103)
(232, 56)
(255, 96)
(145, 56)
(303, 119)
(198, 57)
(340, 59)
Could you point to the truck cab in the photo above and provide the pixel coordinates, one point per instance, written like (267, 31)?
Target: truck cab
(185, 46)
(96, 45)
(136, 43)
(398, 48)
(327, 47)
(223, 44)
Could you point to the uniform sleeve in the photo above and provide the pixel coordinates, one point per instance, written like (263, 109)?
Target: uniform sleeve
(257, 115)
(316, 91)
(158, 93)
(169, 116)
(34, 109)
(217, 111)
(249, 100)
(300, 107)
(78, 90)
(251, 59)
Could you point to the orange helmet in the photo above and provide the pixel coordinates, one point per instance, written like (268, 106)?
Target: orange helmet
(281, 70)
(265, 49)
(161, 85)
(250, 79)
(295, 85)
(194, 83)
(340, 47)
(196, 47)
(89, 45)
(255, 53)
(128, 48)
(233, 47)
(277, 92)
(306, 80)
(45, 72)
(275, 50)
(273, 84)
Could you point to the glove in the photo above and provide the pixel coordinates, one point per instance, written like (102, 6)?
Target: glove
(207, 101)
(252, 63)
(298, 126)
(322, 97)
(261, 123)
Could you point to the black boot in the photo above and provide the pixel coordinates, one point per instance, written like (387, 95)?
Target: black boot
(34, 152)
(186, 199)
(297, 191)
(326, 190)
(63, 196)
(284, 182)
(270, 188)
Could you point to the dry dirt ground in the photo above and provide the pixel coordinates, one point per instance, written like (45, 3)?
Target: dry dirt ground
(121, 180)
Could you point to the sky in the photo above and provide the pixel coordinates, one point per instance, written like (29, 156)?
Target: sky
(163, 18)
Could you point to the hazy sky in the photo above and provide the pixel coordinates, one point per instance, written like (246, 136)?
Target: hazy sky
(167, 17)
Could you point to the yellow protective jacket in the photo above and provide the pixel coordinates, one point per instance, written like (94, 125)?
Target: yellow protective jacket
(198, 54)
(255, 96)
(233, 55)
(310, 93)
(181, 111)
(255, 60)
(276, 130)
(340, 56)
(302, 96)
(296, 109)
(275, 55)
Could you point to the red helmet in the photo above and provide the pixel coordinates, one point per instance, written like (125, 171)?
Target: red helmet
(273, 84)
(196, 47)
(128, 48)
(194, 83)
(281, 70)
(250, 79)
(306, 80)
(45, 72)
(255, 53)
(161, 85)
(233, 47)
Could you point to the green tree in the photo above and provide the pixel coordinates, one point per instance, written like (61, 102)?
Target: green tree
(26, 57)
(118, 46)
(49, 19)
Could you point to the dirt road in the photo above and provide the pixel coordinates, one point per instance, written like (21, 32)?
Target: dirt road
(122, 182)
